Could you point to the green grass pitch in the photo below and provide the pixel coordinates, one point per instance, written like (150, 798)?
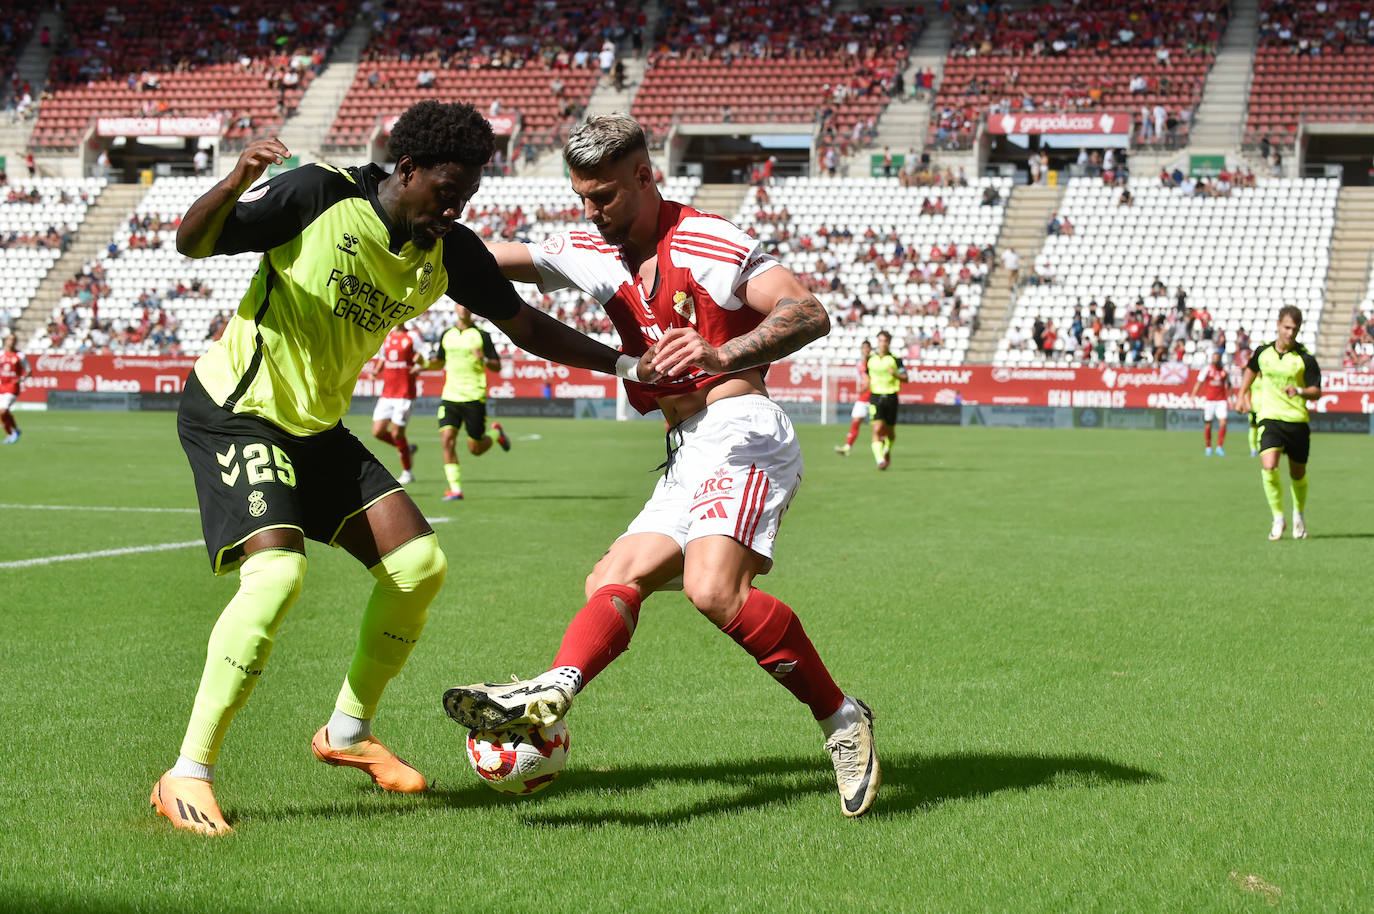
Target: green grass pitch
(1098, 687)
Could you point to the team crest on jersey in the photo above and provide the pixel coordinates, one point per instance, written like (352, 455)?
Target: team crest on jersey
(257, 505)
(685, 306)
(425, 276)
(553, 244)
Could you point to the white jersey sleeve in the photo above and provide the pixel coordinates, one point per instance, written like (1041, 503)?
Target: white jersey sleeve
(578, 260)
(720, 256)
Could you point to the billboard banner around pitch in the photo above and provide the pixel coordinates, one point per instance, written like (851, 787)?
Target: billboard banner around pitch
(1113, 123)
(1167, 386)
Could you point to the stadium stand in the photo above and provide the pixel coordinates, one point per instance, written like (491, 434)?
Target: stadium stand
(710, 60)
(1359, 348)
(1238, 259)
(146, 297)
(1315, 61)
(910, 260)
(16, 26)
(37, 221)
(544, 75)
(248, 63)
(1097, 53)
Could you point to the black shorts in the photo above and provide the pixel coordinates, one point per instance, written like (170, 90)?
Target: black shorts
(1293, 438)
(471, 415)
(252, 476)
(883, 408)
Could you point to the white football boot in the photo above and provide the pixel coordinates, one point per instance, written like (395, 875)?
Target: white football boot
(1276, 531)
(493, 706)
(857, 772)
(1299, 526)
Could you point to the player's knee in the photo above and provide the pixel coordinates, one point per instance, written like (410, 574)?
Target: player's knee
(418, 567)
(715, 598)
(273, 573)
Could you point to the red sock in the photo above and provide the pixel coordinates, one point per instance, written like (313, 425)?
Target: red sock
(1221, 435)
(767, 628)
(599, 633)
(402, 445)
(1207, 435)
(384, 436)
(8, 420)
(853, 432)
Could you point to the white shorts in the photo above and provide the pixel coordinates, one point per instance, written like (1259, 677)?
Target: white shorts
(734, 469)
(1214, 409)
(859, 412)
(6, 401)
(394, 410)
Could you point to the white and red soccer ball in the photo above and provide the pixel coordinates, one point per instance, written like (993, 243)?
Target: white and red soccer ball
(519, 760)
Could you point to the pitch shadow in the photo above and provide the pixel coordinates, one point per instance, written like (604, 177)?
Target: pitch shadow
(911, 784)
(1341, 536)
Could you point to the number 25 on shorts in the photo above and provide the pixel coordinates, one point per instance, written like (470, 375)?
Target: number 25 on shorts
(261, 463)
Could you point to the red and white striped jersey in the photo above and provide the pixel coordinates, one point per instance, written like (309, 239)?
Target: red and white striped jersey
(1213, 382)
(13, 366)
(396, 357)
(702, 260)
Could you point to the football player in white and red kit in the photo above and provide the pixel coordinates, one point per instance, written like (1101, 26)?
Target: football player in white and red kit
(860, 411)
(713, 309)
(398, 363)
(1215, 383)
(13, 369)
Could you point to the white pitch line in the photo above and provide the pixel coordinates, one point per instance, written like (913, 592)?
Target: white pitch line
(76, 556)
(102, 508)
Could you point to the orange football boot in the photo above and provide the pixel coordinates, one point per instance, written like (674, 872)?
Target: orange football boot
(386, 768)
(190, 804)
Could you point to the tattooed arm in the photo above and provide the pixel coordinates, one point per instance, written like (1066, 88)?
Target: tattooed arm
(793, 318)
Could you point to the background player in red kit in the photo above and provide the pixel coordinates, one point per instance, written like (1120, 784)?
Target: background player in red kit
(398, 363)
(13, 369)
(715, 309)
(860, 411)
(1215, 383)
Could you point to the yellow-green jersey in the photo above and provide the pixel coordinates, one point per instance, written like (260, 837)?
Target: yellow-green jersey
(465, 371)
(335, 277)
(1276, 370)
(884, 374)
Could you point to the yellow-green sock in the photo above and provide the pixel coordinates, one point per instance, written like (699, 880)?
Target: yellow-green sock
(407, 580)
(1299, 494)
(879, 451)
(269, 582)
(454, 476)
(1272, 491)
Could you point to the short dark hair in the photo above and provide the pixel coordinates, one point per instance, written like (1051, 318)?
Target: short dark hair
(434, 133)
(1291, 311)
(884, 333)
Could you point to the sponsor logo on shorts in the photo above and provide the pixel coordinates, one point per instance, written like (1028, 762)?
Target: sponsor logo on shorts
(257, 505)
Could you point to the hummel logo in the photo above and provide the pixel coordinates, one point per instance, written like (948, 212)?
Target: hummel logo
(225, 459)
(349, 242)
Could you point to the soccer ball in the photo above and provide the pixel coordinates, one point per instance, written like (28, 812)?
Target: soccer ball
(519, 760)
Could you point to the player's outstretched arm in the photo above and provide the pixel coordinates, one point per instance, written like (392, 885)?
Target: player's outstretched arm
(201, 226)
(538, 333)
(514, 260)
(794, 318)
